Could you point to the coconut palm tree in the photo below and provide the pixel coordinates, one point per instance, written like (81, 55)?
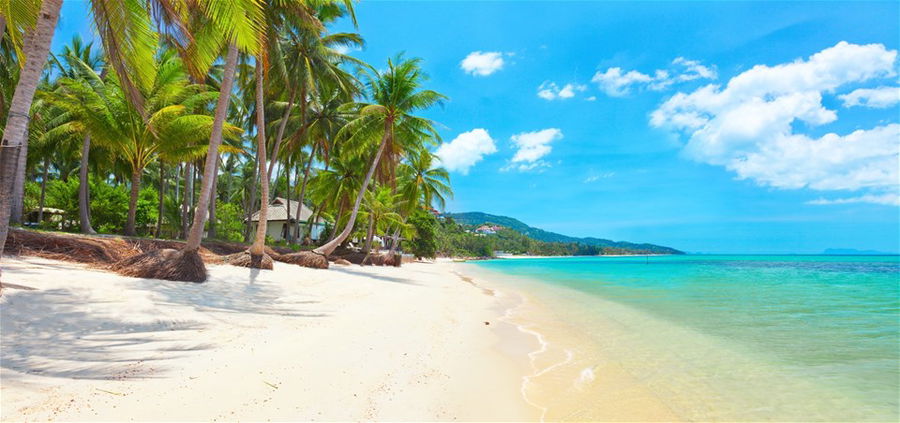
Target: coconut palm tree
(423, 184)
(171, 130)
(128, 39)
(396, 94)
(34, 55)
(79, 60)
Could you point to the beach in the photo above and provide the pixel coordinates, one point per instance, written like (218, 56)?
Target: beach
(348, 343)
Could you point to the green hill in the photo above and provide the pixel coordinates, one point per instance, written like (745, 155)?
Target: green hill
(479, 218)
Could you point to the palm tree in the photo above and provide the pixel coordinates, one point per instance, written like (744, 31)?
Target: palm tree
(35, 55)
(128, 39)
(103, 111)
(423, 184)
(395, 94)
(78, 60)
(381, 207)
(244, 33)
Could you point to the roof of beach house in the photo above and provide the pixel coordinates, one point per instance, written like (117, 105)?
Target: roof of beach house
(278, 211)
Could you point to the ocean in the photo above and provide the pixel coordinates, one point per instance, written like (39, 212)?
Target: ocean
(723, 337)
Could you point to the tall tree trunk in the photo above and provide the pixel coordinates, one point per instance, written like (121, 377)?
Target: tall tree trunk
(132, 202)
(259, 244)
(211, 233)
(211, 167)
(43, 189)
(289, 230)
(36, 50)
(84, 193)
(161, 200)
(329, 247)
(281, 126)
(312, 154)
(18, 201)
(251, 201)
(370, 232)
(186, 200)
(395, 242)
(161, 197)
(337, 220)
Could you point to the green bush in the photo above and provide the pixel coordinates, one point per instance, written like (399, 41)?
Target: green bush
(229, 222)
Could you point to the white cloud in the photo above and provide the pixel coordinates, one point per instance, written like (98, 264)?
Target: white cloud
(616, 82)
(748, 126)
(532, 147)
(597, 177)
(591, 98)
(482, 63)
(879, 98)
(886, 199)
(550, 91)
(464, 151)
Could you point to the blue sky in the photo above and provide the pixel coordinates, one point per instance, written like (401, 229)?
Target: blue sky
(708, 127)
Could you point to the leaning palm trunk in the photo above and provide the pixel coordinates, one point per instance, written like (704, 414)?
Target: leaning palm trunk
(132, 202)
(186, 264)
(18, 199)
(212, 204)
(329, 247)
(84, 196)
(36, 51)
(212, 156)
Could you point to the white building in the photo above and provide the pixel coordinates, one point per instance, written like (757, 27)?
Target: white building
(278, 224)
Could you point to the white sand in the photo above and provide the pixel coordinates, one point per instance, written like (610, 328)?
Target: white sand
(348, 343)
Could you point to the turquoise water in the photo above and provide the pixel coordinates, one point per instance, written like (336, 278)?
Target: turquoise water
(830, 325)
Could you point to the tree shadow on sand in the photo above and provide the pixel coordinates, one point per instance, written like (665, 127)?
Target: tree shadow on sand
(66, 333)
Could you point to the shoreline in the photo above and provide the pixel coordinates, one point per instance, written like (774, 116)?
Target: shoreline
(570, 378)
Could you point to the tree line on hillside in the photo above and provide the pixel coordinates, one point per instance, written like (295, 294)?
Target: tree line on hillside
(188, 116)
(446, 238)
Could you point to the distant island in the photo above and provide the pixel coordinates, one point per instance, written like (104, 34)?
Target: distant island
(854, 252)
(477, 234)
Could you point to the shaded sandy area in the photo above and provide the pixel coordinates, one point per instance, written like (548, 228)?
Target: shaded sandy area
(348, 343)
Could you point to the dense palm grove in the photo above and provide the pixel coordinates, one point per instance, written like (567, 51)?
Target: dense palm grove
(187, 116)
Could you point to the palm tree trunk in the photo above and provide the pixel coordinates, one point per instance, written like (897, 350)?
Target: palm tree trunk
(395, 242)
(160, 200)
(211, 167)
(186, 200)
(370, 232)
(19, 187)
(211, 233)
(329, 247)
(36, 51)
(2, 26)
(84, 196)
(43, 189)
(337, 219)
(252, 200)
(289, 230)
(132, 202)
(259, 243)
(281, 126)
(312, 154)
